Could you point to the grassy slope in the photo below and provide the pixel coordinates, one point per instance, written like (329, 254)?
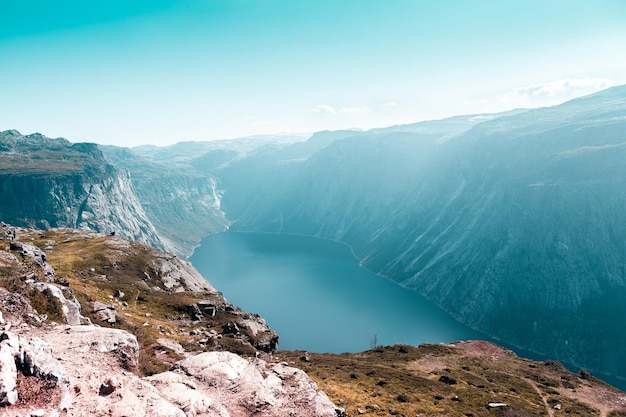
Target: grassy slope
(455, 380)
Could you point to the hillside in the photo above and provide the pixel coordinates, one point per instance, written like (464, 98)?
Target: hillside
(167, 343)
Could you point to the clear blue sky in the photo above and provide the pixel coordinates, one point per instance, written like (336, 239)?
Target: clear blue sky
(160, 71)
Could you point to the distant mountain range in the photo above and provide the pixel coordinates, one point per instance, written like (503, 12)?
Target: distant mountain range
(514, 223)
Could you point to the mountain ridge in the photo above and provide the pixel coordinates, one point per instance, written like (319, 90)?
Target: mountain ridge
(512, 227)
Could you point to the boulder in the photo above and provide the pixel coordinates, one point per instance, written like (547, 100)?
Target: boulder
(230, 328)
(70, 307)
(104, 312)
(8, 370)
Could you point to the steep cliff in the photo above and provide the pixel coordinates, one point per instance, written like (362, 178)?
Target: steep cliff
(48, 182)
(182, 203)
(516, 225)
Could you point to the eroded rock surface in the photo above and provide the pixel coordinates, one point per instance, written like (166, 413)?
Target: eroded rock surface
(93, 368)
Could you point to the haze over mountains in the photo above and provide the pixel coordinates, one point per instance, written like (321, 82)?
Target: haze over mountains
(514, 223)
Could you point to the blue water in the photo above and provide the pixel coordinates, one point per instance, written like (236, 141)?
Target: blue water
(317, 297)
(314, 293)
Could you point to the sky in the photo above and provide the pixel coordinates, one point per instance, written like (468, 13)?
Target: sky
(161, 71)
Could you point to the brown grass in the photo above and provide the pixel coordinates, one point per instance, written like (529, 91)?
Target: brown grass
(438, 380)
(95, 268)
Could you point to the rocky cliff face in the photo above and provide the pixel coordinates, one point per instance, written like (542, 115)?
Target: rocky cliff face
(183, 204)
(51, 183)
(515, 225)
(177, 187)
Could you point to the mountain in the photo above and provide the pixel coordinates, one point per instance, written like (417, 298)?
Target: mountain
(514, 225)
(48, 183)
(177, 187)
(181, 153)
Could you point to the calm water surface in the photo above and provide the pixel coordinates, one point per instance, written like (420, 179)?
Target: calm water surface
(316, 296)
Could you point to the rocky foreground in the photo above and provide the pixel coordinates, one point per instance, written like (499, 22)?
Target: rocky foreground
(90, 371)
(175, 364)
(96, 325)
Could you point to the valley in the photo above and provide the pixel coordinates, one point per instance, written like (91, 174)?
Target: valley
(512, 223)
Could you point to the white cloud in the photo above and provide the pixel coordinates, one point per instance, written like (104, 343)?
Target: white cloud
(354, 109)
(553, 92)
(390, 104)
(324, 108)
(481, 118)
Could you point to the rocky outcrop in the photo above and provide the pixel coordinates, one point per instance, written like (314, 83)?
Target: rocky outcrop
(70, 308)
(178, 275)
(226, 384)
(36, 255)
(92, 368)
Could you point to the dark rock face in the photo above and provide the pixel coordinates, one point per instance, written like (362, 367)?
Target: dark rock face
(47, 183)
(230, 328)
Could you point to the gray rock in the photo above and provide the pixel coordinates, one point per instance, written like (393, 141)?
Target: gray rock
(27, 250)
(178, 275)
(8, 370)
(104, 312)
(70, 307)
